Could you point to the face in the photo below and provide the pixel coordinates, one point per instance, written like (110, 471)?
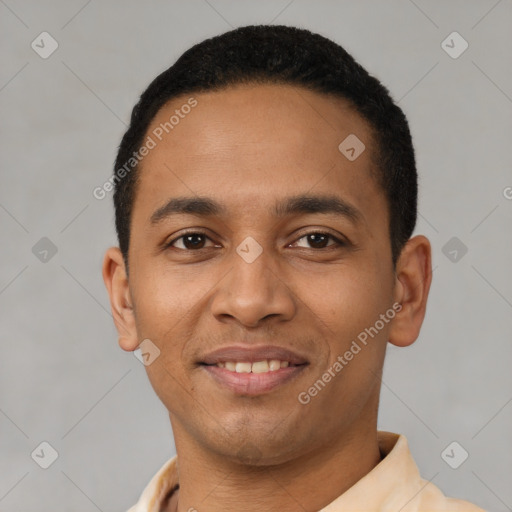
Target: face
(259, 254)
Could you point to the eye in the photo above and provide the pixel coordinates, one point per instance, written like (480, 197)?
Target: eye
(190, 241)
(198, 240)
(318, 240)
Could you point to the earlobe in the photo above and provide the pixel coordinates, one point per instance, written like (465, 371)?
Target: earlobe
(116, 282)
(412, 285)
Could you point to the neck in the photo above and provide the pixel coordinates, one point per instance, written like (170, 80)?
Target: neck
(211, 483)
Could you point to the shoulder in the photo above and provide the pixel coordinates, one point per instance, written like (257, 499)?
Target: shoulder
(432, 499)
(412, 493)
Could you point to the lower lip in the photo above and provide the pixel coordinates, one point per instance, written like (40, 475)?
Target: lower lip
(252, 384)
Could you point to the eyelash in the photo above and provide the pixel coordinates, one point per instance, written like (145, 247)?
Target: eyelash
(337, 241)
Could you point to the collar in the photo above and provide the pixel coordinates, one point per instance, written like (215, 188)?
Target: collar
(393, 484)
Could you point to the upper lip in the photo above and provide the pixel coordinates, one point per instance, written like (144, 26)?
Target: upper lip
(252, 355)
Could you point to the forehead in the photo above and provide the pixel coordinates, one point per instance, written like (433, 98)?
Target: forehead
(252, 144)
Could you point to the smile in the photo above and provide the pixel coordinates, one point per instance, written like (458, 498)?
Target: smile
(264, 366)
(252, 370)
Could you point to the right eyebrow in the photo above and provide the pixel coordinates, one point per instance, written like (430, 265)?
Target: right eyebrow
(203, 206)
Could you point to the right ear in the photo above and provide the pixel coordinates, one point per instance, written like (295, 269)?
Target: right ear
(116, 281)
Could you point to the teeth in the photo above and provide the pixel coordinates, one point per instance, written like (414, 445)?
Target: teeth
(243, 368)
(274, 365)
(260, 367)
(263, 366)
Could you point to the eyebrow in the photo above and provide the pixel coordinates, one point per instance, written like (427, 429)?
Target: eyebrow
(301, 204)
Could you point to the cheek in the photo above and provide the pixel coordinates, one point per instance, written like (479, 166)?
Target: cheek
(348, 300)
(165, 297)
(162, 306)
(347, 304)
(165, 309)
(350, 307)
(171, 305)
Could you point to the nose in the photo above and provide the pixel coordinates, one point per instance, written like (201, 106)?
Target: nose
(252, 292)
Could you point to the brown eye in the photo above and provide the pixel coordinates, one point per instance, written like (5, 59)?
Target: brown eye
(318, 240)
(189, 241)
(194, 241)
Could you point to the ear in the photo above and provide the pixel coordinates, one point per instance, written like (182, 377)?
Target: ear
(116, 281)
(413, 277)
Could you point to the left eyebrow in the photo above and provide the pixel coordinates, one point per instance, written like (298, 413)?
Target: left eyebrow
(301, 204)
(318, 204)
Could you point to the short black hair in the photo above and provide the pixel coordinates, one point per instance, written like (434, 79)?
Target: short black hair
(280, 55)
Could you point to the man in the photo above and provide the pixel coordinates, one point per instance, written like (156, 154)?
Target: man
(265, 198)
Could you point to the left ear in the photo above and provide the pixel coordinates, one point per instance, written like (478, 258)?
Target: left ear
(413, 277)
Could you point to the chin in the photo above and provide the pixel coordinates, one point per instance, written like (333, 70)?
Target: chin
(261, 449)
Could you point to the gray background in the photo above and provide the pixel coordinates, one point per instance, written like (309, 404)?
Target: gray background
(63, 378)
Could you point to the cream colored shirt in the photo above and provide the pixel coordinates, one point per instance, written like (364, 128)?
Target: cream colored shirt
(392, 485)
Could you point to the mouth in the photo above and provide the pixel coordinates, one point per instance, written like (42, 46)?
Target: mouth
(253, 371)
(263, 366)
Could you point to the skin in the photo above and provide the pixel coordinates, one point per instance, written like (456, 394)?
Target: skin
(249, 147)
